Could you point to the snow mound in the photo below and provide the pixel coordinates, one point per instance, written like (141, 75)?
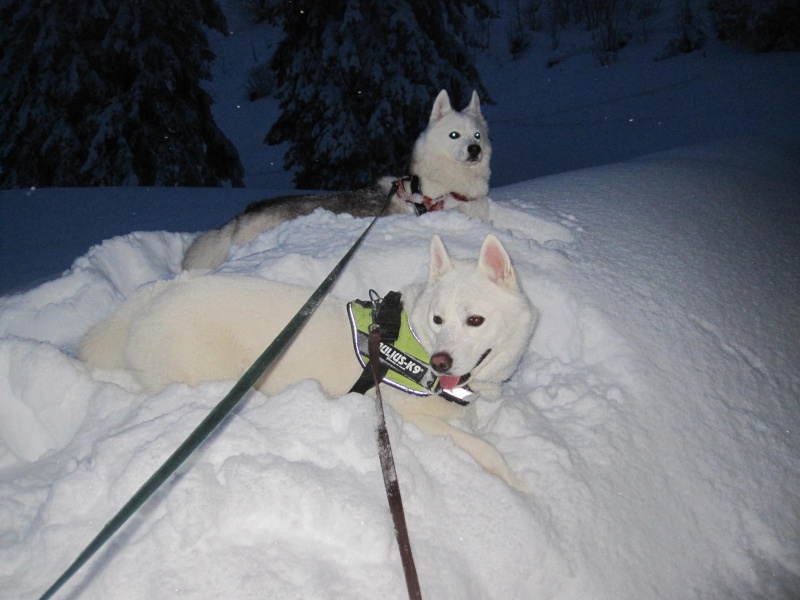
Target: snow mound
(653, 417)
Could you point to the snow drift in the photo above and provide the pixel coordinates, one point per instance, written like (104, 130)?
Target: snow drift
(654, 417)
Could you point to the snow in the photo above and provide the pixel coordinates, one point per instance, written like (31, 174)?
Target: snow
(654, 416)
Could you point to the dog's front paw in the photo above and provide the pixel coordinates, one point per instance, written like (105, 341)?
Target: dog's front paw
(402, 206)
(479, 208)
(487, 390)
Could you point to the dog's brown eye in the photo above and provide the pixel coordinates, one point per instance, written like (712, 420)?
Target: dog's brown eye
(475, 320)
(454, 135)
(477, 135)
(437, 320)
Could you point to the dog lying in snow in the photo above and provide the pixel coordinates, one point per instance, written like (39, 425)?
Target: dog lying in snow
(472, 319)
(449, 169)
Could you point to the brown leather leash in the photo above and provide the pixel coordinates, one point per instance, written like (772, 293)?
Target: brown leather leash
(390, 481)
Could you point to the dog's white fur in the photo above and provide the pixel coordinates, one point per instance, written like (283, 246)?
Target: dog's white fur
(441, 159)
(212, 327)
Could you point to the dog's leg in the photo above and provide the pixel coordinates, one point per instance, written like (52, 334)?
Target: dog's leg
(486, 455)
(479, 208)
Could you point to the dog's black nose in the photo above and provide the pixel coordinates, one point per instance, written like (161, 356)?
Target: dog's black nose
(441, 362)
(474, 151)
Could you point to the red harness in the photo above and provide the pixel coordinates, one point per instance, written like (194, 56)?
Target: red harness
(427, 204)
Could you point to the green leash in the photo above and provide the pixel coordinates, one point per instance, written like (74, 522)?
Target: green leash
(215, 417)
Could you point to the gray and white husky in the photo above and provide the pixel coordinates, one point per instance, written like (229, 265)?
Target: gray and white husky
(449, 169)
(473, 320)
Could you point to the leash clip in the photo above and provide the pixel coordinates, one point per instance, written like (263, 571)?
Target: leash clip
(376, 301)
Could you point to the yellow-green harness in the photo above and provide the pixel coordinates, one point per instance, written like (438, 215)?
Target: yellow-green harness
(405, 358)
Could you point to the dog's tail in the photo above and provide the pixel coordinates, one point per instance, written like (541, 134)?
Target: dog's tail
(209, 250)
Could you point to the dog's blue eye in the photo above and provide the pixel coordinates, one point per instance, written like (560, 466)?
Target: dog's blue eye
(475, 320)
(454, 135)
(477, 135)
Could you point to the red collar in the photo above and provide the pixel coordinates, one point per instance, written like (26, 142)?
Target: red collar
(431, 204)
(428, 204)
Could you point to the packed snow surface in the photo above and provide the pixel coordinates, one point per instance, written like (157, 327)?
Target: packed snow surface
(654, 417)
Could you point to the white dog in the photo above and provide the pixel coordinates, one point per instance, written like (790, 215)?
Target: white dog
(451, 157)
(473, 320)
(449, 169)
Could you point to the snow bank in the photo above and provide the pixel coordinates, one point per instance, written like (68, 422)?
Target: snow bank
(653, 418)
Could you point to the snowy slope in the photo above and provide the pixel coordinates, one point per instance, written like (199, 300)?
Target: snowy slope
(654, 415)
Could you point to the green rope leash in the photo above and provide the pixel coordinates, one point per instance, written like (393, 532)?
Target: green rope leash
(215, 417)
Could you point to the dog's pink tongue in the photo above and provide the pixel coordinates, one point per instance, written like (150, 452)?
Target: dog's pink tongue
(448, 382)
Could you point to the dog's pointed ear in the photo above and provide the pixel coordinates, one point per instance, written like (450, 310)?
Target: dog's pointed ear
(495, 262)
(441, 106)
(440, 260)
(474, 106)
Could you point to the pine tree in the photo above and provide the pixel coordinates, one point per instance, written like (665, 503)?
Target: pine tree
(357, 79)
(107, 92)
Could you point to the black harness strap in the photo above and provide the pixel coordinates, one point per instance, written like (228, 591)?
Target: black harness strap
(366, 380)
(386, 319)
(416, 188)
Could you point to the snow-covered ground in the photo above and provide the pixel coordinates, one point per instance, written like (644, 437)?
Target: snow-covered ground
(654, 417)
